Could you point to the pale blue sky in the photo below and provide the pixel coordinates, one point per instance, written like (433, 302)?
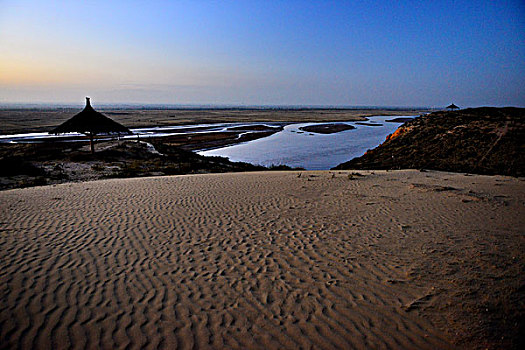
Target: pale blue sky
(395, 53)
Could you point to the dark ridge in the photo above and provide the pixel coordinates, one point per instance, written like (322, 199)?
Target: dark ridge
(484, 140)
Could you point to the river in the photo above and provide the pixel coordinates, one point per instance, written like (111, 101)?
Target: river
(307, 150)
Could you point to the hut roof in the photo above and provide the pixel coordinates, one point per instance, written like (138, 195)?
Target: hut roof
(89, 121)
(452, 106)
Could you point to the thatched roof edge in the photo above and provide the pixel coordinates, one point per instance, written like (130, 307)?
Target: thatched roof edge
(89, 121)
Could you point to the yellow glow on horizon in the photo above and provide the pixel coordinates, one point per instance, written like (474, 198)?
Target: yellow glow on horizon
(38, 72)
(104, 72)
(22, 73)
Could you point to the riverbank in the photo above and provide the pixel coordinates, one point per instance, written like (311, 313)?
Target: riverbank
(26, 165)
(273, 260)
(475, 140)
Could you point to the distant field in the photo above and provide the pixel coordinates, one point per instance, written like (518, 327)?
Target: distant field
(41, 120)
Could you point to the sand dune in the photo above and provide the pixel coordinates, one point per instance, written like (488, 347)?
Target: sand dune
(260, 260)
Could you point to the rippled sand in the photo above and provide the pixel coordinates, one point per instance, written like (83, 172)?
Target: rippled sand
(256, 260)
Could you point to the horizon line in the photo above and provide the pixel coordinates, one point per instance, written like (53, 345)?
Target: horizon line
(120, 105)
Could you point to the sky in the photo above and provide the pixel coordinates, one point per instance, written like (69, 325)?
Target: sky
(332, 53)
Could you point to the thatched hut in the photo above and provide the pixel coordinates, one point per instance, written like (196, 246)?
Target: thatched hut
(452, 107)
(91, 123)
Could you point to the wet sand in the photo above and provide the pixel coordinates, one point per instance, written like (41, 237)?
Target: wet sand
(270, 260)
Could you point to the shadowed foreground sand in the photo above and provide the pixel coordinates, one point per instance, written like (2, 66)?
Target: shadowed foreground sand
(259, 260)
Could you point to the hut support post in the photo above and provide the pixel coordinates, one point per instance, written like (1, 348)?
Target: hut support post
(91, 143)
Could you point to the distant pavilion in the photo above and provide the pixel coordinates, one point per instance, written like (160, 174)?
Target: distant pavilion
(452, 107)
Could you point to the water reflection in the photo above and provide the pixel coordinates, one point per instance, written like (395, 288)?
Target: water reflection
(296, 148)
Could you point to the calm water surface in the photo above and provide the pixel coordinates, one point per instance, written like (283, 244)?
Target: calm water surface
(296, 148)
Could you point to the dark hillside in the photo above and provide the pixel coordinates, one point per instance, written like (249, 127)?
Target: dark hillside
(477, 140)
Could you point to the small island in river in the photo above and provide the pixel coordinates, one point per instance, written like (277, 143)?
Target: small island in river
(369, 124)
(400, 120)
(327, 128)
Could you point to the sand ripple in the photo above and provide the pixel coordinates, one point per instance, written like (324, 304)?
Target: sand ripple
(267, 260)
